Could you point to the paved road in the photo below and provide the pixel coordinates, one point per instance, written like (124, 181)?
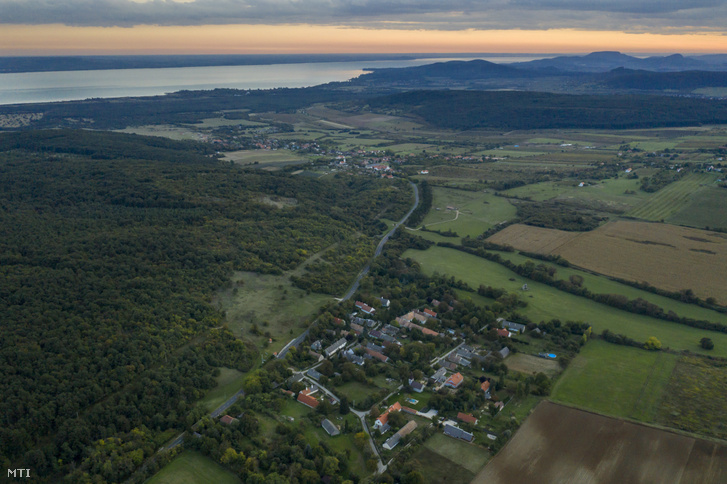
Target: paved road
(295, 342)
(380, 247)
(227, 404)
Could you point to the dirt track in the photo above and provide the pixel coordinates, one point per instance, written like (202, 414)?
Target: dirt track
(557, 444)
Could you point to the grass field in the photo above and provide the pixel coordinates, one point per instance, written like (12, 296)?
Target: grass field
(666, 256)
(616, 380)
(696, 401)
(229, 382)
(356, 391)
(193, 468)
(472, 212)
(532, 364)
(265, 158)
(705, 208)
(559, 444)
(672, 198)
(267, 298)
(470, 456)
(437, 469)
(545, 302)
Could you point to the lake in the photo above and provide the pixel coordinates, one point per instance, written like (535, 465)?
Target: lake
(35, 87)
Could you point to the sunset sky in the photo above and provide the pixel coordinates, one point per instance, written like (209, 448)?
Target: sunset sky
(49, 27)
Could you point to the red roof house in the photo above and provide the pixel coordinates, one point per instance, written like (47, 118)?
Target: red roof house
(306, 399)
(454, 381)
(467, 418)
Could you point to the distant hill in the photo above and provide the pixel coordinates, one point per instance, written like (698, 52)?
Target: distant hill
(607, 60)
(454, 70)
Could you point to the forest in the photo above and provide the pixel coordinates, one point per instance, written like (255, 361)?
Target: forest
(111, 250)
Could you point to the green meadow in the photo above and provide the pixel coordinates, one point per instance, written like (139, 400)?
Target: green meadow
(620, 381)
(193, 468)
(546, 302)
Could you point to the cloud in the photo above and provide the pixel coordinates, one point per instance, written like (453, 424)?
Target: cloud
(627, 15)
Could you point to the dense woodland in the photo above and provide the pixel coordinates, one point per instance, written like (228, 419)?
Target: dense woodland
(111, 250)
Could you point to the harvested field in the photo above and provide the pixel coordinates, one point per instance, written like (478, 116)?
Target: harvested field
(532, 364)
(666, 256)
(559, 444)
(532, 239)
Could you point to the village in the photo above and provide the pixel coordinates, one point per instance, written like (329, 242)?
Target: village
(412, 378)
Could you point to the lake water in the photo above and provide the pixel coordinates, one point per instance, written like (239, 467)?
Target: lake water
(34, 87)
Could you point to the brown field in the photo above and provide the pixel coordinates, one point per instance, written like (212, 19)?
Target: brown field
(558, 444)
(666, 256)
(532, 239)
(532, 364)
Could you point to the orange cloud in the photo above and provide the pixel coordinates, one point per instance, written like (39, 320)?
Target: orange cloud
(262, 39)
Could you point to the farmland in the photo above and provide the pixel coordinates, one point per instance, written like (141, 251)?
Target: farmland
(546, 302)
(672, 198)
(616, 380)
(531, 365)
(636, 251)
(562, 444)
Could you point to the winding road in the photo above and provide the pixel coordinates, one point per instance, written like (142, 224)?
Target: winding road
(354, 287)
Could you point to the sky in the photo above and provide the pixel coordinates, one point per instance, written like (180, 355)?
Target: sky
(58, 27)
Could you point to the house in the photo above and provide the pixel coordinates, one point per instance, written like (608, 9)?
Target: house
(454, 358)
(227, 420)
(389, 339)
(408, 410)
(384, 417)
(403, 432)
(287, 392)
(503, 332)
(435, 303)
(335, 347)
(317, 356)
(440, 375)
(385, 302)
(430, 313)
(329, 427)
(375, 354)
(316, 346)
(376, 334)
(454, 381)
(306, 399)
(415, 385)
(466, 418)
(313, 373)
(485, 386)
(339, 321)
(353, 357)
(512, 327)
(504, 352)
(357, 328)
(365, 307)
(458, 433)
(375, 347)
(410, 325)
(448, 365)
(390, 330)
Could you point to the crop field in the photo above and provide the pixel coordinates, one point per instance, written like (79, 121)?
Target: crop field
(532, 364)
(532, 239)
(193, 468)
(546, 302)
(666, 256)
(705, 208)
(696, 401)
(559, 444)
(672, 198)
(599, 284)
(620, 381)
(437, 469)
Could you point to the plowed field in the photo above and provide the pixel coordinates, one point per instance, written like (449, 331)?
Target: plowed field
(559, 444)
